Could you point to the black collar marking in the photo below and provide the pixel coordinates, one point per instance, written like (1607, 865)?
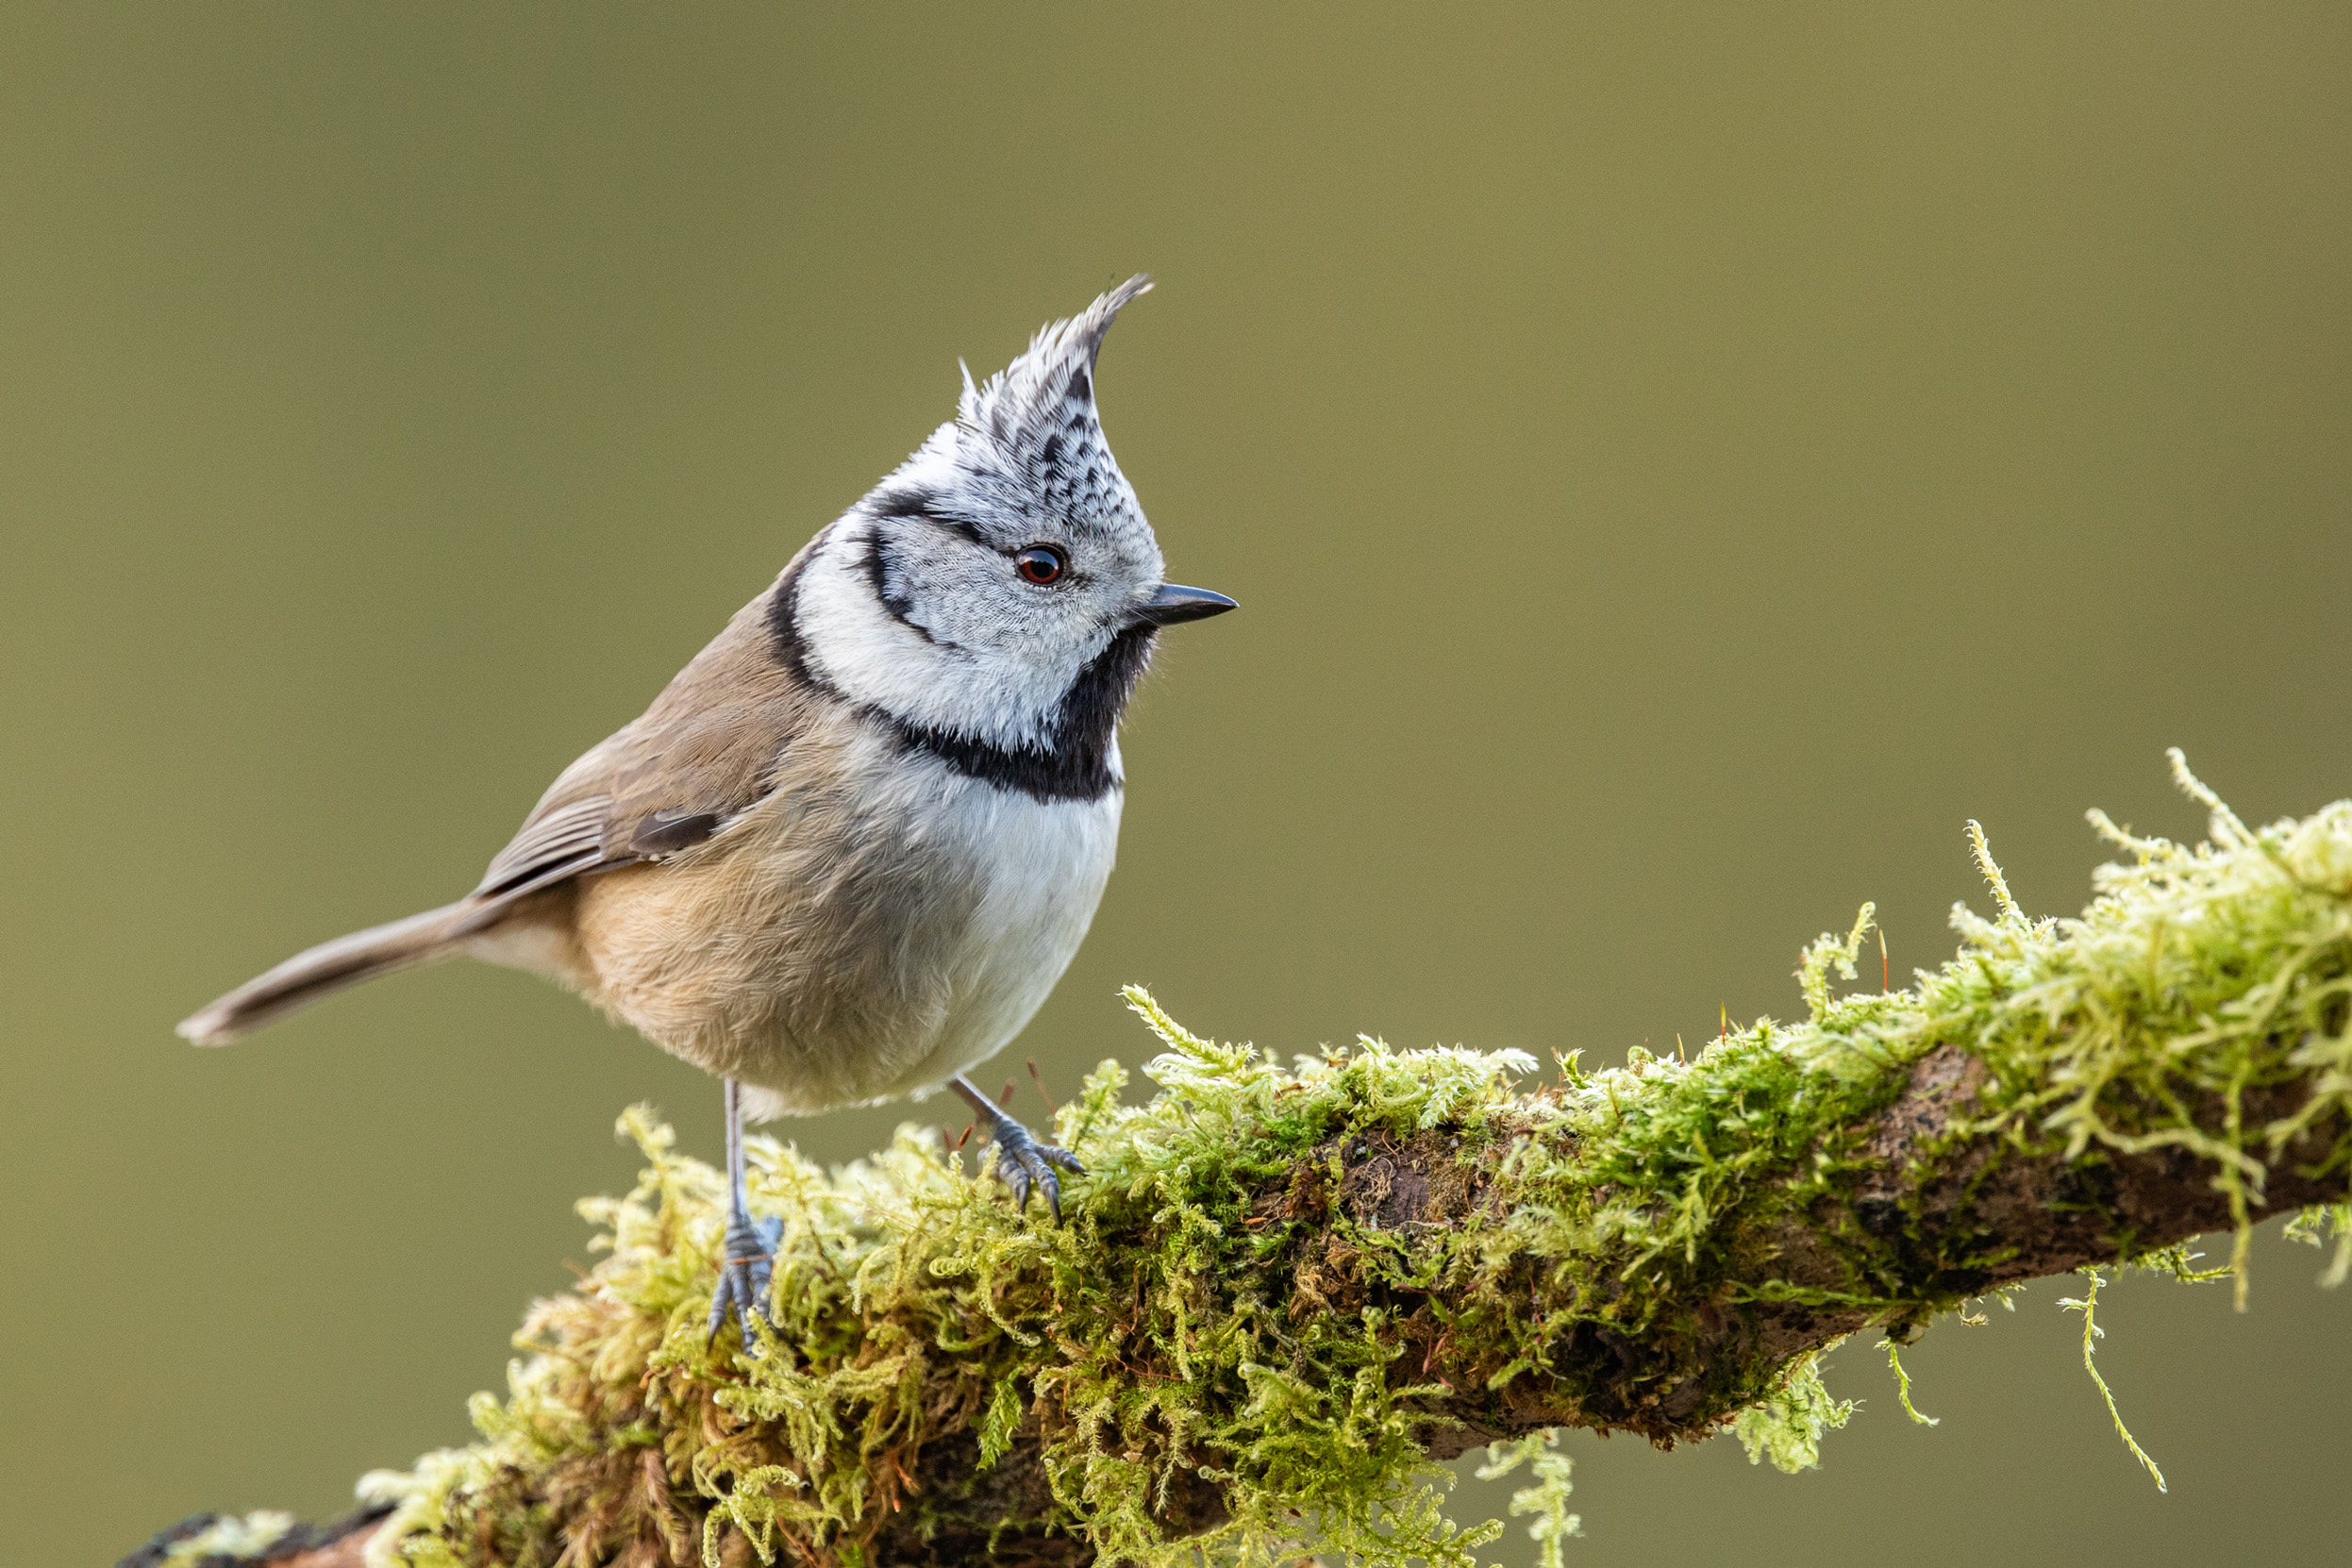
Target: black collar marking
(1075, 762)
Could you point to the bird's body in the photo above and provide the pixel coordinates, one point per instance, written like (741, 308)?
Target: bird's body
(877, 920)
(847, 852)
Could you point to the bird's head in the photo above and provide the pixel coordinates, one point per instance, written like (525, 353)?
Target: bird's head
(1003, 572)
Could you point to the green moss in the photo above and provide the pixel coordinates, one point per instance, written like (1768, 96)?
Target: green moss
(1902, 1386)
(1546, 1497)
(2088, 1304)
(2315, 1225)
(1786, 1425)
(1247, 1298)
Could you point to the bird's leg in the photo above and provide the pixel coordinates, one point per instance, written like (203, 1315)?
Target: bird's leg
(747, 1256)
(1022, 1158)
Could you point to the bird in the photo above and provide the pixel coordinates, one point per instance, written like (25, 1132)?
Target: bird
(849, 850)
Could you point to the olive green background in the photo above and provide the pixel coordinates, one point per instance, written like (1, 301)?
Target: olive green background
(1675, 464)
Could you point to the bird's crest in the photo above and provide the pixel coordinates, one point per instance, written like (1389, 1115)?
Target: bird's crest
(1028, 394)
(1029, 435)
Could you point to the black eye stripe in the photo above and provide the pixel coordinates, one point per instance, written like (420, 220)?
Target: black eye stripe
(896, 600)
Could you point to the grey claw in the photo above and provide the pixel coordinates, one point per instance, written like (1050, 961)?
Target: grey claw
(1024, 1164)
(746, 1269)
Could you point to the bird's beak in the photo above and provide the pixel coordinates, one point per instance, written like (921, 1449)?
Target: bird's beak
(1170, 604)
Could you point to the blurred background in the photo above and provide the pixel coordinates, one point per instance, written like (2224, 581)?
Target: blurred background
(1677, 463)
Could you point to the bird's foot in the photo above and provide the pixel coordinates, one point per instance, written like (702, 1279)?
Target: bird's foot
(1025, 1161)
(746, 1268)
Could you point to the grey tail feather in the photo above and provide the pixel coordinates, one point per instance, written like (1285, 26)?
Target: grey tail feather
(331, 966)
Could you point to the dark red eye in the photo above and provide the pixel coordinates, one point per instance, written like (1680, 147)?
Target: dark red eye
(1040, 564)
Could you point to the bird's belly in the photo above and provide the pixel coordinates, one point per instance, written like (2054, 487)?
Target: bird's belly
(830, 953)
(1040, 867)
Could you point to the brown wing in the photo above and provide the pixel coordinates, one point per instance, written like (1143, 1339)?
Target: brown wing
(704, 752)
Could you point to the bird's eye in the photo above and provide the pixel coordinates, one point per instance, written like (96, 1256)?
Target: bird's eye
(1040, 564)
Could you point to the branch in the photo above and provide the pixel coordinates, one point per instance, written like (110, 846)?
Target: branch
(1282, 1293)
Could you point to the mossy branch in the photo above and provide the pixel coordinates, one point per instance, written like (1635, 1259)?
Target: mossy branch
(1283, 1292)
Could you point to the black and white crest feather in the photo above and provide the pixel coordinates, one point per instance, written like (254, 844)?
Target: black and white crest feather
(1030, 436)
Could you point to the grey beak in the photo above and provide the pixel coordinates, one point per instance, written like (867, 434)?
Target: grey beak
(1172, 604)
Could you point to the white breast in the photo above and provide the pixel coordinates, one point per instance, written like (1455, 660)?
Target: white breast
(1040, 867)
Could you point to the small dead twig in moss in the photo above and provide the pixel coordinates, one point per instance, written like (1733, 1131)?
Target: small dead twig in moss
(1043, 1092)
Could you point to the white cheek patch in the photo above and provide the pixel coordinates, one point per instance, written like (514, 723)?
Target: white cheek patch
(872, 657)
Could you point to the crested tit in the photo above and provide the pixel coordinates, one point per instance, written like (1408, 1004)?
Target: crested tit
(848, 851)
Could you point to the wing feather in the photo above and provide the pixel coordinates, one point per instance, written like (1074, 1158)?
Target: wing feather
(704, 752)
(572, 835)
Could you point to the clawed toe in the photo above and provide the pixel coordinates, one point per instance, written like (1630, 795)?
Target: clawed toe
(1023, 1163)
(746, 1268)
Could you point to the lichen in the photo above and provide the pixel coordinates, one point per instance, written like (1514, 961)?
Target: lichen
(236, 1536)
(1281, 1288)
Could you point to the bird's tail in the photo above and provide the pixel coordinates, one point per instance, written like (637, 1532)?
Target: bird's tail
(331, 966)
